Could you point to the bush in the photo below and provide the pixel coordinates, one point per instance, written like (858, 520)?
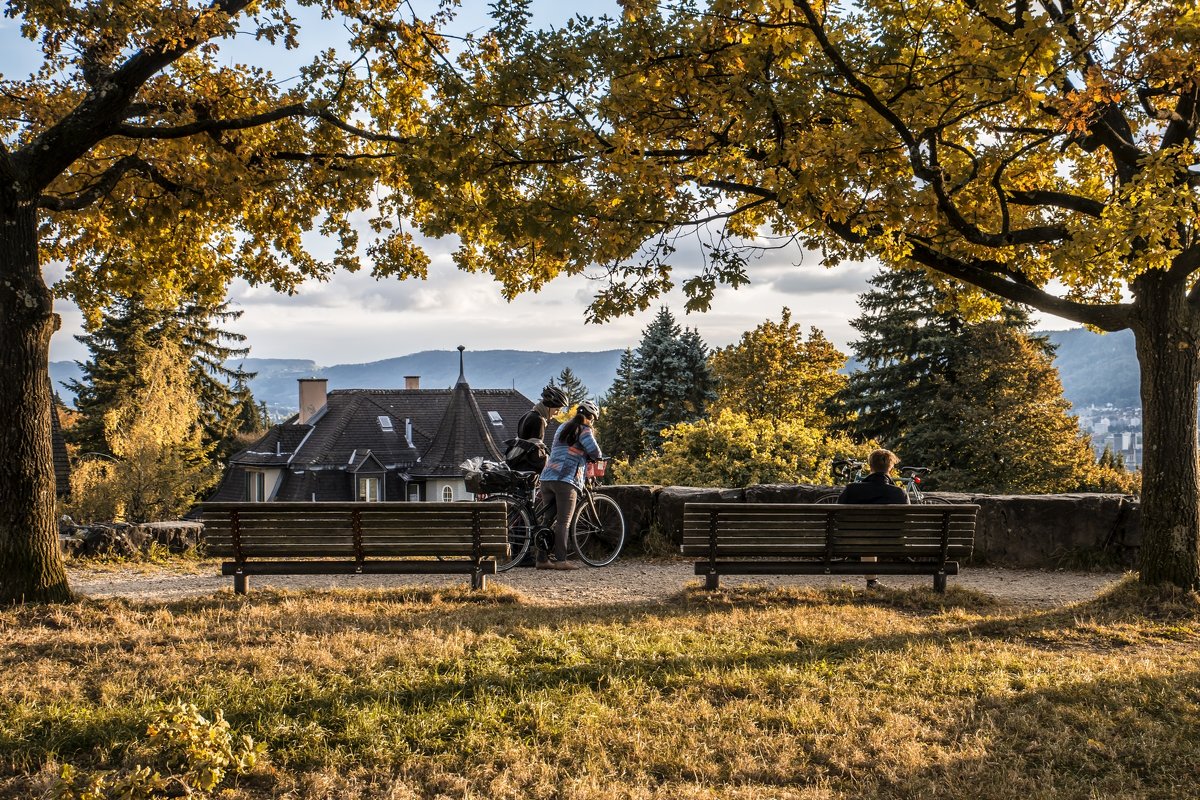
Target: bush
(731, 449)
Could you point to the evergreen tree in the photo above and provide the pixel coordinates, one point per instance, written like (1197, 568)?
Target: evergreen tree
(569, 382)
(129, 333)
(998, 422)
(980, 403)
(773, 372)
(160, 462)
(671, 377)
(222, 392)
(618, 426)
(125, 337)
(903, 346)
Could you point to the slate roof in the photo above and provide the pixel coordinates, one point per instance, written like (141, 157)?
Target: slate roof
(448, 427)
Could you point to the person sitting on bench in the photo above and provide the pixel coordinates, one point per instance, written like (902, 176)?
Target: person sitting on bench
(875, 489)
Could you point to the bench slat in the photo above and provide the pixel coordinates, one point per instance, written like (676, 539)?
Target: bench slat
(434, 550)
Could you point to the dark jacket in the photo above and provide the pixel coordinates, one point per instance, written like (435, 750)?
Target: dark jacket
(875, 489)
(527, 452)
(533, 425)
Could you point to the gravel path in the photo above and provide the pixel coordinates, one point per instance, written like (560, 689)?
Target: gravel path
(627, 581)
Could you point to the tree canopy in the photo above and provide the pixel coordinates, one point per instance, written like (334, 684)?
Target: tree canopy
(1040, 151)
(772, 371)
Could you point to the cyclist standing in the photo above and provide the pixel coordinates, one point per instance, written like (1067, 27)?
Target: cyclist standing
(574, 446)
(875, 489)
(528, 451)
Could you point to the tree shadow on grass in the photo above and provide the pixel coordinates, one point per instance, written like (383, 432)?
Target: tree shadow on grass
(523, 652)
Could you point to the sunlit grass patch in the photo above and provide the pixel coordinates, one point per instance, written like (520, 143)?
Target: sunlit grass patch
(745, 692)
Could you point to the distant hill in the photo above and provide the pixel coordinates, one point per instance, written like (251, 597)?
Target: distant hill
(1096, 370)
(525, 371)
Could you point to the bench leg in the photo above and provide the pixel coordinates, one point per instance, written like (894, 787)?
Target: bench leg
(478, 580)
(241, 583)
(712, 581)
(939, 582)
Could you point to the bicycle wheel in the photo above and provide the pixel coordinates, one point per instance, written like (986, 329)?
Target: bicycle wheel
(829, 497)
(926, 500)
(520, 530)
(598, 530)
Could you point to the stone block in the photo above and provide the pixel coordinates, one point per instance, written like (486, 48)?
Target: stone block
(668, 508)
(1063, 530)
(637, 505)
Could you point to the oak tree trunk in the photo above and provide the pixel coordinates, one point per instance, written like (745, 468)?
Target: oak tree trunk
(31, 565)
(1167, 335)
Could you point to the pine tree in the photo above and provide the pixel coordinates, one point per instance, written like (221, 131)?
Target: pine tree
(222, 392)
(903, 346)
(569, 382)
(773, 372)
(160, 462)
(671, 377)
(980, 403)
(618, 426)
(125, 337)
(129, 333)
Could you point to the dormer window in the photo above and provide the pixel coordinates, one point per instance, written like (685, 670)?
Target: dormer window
(385, 424)
(495, 417)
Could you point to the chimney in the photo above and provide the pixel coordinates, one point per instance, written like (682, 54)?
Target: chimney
(312, 398)
(412, 381)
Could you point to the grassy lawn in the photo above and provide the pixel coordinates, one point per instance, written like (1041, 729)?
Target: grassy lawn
(751, 693)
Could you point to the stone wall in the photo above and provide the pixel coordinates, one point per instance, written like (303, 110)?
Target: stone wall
(124, 540)
(1037, 531)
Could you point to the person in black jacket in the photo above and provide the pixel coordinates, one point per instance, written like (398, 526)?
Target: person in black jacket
(528, 451)
(875, 489)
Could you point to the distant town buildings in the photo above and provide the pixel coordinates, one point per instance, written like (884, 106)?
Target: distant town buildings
(1119, 429)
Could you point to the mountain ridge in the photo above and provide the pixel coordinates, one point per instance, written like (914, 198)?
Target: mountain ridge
(1096, 370)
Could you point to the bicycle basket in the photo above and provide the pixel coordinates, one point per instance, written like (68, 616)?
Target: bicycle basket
(491, 477)
(595, 469)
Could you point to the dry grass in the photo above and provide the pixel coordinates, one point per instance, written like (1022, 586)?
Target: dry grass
(751, 693)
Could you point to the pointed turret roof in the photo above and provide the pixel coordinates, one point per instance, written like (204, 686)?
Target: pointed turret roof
(463, 433)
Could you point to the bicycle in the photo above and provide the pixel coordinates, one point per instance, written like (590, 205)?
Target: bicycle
(597, 530)
(849, 470)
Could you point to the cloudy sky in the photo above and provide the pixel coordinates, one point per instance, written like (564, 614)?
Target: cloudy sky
(353, 318)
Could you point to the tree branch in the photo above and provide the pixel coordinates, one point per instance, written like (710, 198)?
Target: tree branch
(1046, 197)
(104, 108)
(108, 181)
(983, 273)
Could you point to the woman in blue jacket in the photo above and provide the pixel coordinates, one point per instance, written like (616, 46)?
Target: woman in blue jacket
(574, 446)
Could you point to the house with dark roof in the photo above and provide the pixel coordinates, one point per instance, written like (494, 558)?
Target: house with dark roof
(376, 444)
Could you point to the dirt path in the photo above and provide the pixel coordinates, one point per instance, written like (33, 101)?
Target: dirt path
(633, 580)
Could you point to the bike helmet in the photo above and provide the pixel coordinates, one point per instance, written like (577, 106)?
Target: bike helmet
(589, 409)
(554, 397)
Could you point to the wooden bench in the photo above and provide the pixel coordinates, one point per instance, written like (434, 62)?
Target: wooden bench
(356, 539)
(827, 539)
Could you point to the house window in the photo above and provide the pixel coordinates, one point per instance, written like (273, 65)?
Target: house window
(447, 494)
(256, 486)
(414, 493)
(385, 424)
(495, 417)
(368, 489)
